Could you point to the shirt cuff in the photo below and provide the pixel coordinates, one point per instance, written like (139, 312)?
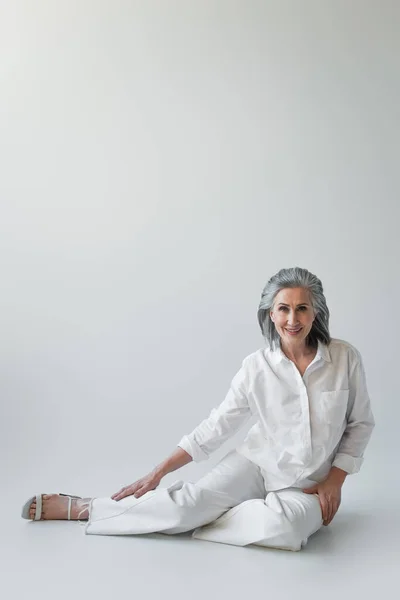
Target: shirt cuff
(347, 463)
(189, 445)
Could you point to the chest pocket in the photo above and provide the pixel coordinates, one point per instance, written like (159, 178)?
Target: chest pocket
(333, 406)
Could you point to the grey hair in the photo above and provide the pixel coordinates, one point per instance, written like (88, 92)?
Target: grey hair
(292, 278)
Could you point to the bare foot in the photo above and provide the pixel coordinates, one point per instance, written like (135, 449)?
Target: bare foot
(55, 507)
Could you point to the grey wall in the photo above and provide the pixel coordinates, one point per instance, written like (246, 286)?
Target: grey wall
(160, 161)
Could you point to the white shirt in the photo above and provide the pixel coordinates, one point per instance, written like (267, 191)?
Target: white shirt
(305, 424)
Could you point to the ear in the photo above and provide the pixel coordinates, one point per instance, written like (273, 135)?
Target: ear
(272, 317)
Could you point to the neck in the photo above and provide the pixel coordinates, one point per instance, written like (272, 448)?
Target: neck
(297, 351)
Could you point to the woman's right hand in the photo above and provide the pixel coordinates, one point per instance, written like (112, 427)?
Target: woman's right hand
(178, 459)
(140, 487)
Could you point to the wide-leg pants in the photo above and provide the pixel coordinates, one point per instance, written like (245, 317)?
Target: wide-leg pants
(227, 505)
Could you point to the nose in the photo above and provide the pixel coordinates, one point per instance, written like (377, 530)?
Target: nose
(292, 318)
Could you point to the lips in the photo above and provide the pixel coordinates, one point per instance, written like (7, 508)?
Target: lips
(293, 331)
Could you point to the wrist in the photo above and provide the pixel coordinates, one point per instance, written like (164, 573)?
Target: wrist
(161, 470)
(337, 475)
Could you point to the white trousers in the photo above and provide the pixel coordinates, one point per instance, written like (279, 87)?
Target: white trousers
(228, 505)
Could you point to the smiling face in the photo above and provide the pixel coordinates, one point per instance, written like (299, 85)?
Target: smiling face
(293, 315)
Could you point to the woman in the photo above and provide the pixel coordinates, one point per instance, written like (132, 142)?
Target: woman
(284, 481)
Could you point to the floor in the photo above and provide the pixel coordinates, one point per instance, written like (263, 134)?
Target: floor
(355, 557)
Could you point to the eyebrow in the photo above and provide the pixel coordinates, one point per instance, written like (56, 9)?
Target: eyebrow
(302, 304)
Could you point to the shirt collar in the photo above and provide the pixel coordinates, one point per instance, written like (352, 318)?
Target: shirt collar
(277, 356)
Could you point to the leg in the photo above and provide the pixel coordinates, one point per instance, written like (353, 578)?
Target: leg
(182, 506)
(284, 520)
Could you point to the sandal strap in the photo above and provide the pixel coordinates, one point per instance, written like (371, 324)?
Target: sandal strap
(71, 496)
(38, 513)
(69, 507)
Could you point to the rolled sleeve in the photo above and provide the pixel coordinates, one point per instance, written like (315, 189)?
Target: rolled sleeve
(223, 422)
(360, 422)
(189, 444)
(347, 463)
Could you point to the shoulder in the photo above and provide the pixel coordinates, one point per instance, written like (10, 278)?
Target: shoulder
(340, 348)
(254, 360)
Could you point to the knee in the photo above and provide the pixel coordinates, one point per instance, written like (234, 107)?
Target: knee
(301, 512)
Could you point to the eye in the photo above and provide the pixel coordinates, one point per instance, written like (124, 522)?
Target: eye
(283, 308)
(303, 308)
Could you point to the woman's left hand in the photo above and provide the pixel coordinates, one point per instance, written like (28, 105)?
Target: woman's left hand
(330, 494)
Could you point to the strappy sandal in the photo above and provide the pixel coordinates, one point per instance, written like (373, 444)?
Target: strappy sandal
(38, 513)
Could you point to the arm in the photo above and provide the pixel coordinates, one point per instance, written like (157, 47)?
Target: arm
(360, 422)
(223, 422)
(175, 461)
(349, 457)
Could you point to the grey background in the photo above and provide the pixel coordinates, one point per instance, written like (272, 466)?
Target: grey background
(160, 160)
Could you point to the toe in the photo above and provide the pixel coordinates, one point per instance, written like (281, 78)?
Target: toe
(32, 510)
